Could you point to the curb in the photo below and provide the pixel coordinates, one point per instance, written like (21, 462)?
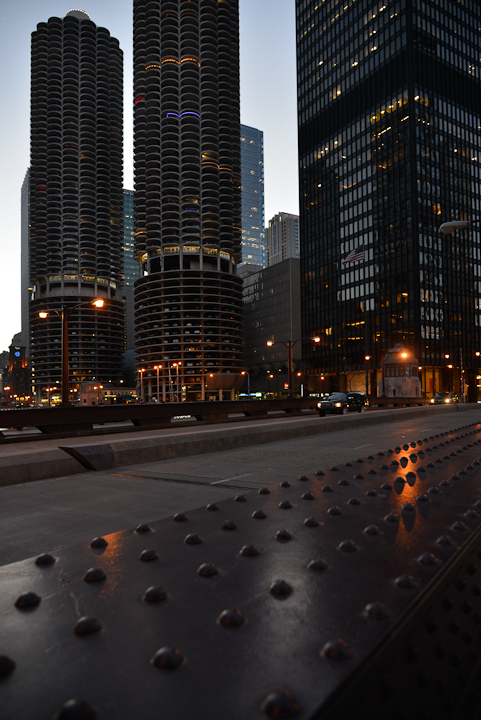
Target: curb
(20, 468)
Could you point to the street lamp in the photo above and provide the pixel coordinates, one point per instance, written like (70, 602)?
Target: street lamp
(141, 371)
(176, 365)
(64, 314)
(98, 388)
(289, 344)
(245, 372)
(449, 227)
(7, 388)
(158, 367)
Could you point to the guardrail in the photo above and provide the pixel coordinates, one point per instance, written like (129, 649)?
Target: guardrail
(68, 421)
(398, 401)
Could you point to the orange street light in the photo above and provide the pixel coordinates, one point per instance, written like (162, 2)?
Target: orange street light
(158, 367)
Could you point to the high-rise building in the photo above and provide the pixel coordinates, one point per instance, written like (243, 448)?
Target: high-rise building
(188, 302)
(389, 142)
(25, 285)
(252, 189)
(76, 204)
(131, 266)
(282, 238)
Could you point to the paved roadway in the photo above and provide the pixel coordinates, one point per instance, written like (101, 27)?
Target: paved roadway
(45, 515)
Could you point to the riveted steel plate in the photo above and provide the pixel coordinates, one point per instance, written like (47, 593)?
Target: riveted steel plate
(368, 535)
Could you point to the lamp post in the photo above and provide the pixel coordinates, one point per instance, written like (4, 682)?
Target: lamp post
(176, 365)
(98, 388)
(245, 372)
(6, 388)
(367, 358)
(141, 372)
(289, 344)
(64, 315)
(158, 367)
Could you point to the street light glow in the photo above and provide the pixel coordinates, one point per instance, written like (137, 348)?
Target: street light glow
(43, 314)
(98, 303)
(317, 339)
(269, 343)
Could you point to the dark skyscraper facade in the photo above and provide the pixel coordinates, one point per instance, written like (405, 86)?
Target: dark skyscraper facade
(76, 204)
(188, 304)
(389, 146)
(252, 184)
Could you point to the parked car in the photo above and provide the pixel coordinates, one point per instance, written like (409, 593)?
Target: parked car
(340, 403)
(445, 397)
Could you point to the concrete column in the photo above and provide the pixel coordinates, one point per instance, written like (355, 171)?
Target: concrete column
(163, 390)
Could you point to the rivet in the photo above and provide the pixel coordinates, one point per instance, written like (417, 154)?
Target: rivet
(285, 483)
(405, 582)
(343, 482)
(421, 469)
(180, 517)
(372, 472)
(445, 483)
(477, 504)
(384, 467)
(354, 501)
(319, 473)
(231, 618)
(408, 508)
(422, 498)
(394, 463)
(283, 535)
(370, 457)
(337, 650)
(430, 465)
(193, 539)
(98, 542)
(386, 486)
(371, 530)
(360, 460)
(334, 468)
(348, 546)
(397, 449)
(327, 488)
(334, 510)
(348, 464)
(154, 594)
(445, 457)
(307, 496)
(6, 665)
(142, 528)
(94, 575)
(411, 475)
(207, 570)
(148, 555)
(311, 522)
(433, 490)
(371, 493)
(391, 518)
(303, 478)
(259, 514)
(228, 525)
(460, 526)
(406, 447)
(359, 477)
(431, 626)
(471, 569)
(249, 551)
(45, 559)
(280, 705)
(380, 454)
(212, 507)
(264, 491)
(399, 480)
(167, 658)
(413, 457)
(75, 710)
(87, 625)
(438, 460)
(428, 559)
(27, 600)
(469, 467)
(471, 514)
(281, 588)
(377, 611)
(240, 498)
(318, 564)
(460, 584)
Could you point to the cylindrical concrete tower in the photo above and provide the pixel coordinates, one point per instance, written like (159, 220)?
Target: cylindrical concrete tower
(188, 304)
(76, 210)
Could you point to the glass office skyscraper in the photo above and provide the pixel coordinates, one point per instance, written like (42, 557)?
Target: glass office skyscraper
(389, 138)
(252, 187)
(131, 266)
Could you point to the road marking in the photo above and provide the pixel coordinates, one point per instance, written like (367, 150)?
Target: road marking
(361, 446)
(236, 477)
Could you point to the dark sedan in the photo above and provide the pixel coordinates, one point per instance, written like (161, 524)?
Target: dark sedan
(340, 403)
(445, 398)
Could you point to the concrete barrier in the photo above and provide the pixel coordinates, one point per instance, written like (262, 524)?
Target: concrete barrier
(70, 460)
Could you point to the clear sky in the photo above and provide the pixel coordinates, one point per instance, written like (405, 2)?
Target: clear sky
(268, 102)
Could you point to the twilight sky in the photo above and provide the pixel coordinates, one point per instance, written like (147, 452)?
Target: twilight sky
(268, 102)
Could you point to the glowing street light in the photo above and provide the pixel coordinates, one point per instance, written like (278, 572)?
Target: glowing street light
(64, 315)
(289, 344)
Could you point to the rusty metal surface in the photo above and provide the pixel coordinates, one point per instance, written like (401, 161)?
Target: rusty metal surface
(80, 420)
(313, 604)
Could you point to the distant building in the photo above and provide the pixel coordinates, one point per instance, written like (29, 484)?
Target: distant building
(131, 266)
(252, 187)
(25, 285)
(272, 311)
(76, 203)
(16, 376)
(282, 238)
